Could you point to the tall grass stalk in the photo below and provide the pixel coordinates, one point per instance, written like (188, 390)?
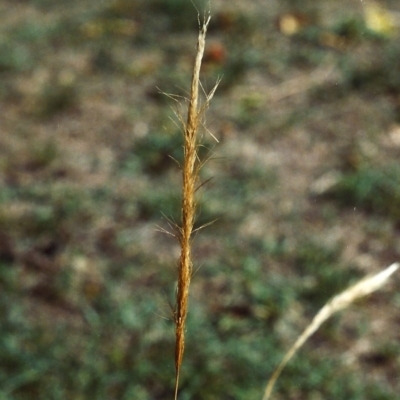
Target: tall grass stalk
(190, 175)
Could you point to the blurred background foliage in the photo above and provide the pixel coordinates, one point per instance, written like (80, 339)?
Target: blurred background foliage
(303, 188)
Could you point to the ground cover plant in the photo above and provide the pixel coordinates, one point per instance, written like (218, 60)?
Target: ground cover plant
(307, 123)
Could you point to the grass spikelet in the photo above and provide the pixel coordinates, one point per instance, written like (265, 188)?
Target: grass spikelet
(339, 302)
(190, 171)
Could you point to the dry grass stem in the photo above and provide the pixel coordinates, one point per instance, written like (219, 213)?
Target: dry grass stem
(190, 171)
(339, 302)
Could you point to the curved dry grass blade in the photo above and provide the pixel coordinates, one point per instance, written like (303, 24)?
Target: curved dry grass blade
(339, 302)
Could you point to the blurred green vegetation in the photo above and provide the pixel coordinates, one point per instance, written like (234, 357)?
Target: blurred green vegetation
(373, 190)
(85, 282)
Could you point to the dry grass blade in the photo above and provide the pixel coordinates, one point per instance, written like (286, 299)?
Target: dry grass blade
(339, 302)
(190, 169)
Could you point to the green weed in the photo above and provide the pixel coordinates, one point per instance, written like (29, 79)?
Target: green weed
(373, 190)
